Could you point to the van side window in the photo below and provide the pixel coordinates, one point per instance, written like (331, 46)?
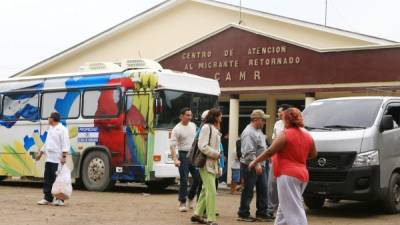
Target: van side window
(21, 106)
(101, 103)
(394, 111)
(67, 103)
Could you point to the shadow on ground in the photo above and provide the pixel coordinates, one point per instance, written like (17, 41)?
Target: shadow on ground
(349, 209)
(118, 188)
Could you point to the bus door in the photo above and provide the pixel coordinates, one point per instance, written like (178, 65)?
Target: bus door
(136, 131)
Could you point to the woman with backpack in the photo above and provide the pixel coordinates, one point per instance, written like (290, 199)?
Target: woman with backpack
(208, 143)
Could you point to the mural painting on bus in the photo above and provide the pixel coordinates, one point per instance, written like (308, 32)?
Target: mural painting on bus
(139, 130)
(139, 117)
(16, 160)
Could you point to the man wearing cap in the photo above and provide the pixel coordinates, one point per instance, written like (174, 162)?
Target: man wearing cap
(253, 144)
(56, 148)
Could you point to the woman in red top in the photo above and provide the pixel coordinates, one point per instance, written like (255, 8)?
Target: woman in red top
(291, 151)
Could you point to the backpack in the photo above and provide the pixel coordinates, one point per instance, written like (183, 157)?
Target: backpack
(239, 148)
(195, 156)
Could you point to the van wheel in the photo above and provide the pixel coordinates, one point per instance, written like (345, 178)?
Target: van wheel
(391, 201)
(314, 202)
(96, 171)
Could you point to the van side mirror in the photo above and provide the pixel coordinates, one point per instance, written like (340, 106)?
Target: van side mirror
(386, 123)
(158, 105)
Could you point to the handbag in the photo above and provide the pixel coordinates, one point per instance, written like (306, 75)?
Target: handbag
(195, 156)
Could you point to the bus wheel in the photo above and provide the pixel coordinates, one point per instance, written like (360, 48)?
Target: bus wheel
(160, 185)
(391, 201)
(96, 171)
(314, 202)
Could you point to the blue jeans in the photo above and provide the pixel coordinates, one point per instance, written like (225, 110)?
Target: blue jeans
(251, 180)
(184, 170)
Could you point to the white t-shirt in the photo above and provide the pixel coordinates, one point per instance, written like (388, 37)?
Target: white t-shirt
(57, 142)
(279, 127)
(182, 136)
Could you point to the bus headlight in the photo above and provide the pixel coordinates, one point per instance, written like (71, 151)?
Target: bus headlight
(370, 158)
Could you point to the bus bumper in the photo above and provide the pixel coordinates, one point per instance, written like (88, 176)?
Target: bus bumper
(164, 170)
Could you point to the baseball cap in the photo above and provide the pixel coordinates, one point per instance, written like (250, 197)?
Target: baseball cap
(258, 114)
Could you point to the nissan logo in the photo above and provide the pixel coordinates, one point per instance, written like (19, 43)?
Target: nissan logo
(321, 162)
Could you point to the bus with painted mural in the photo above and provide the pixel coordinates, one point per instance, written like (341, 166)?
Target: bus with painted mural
(119, 118)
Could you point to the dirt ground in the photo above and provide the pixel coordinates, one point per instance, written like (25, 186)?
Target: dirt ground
(132, 204)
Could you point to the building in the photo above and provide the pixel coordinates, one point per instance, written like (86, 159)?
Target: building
(261, 60)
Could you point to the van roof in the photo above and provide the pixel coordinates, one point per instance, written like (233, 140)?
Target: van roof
(384, 98)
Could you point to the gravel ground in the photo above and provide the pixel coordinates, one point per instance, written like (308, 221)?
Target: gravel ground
(134, 204)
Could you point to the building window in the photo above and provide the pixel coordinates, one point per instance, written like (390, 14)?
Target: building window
(21, 106)
(67, 103)
(101, 103)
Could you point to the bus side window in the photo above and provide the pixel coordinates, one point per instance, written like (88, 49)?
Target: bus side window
(67, 103)
(21, 106)
(101, 103)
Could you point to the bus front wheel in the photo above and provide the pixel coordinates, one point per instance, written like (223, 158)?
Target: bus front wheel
(96, 171)
(160, 185)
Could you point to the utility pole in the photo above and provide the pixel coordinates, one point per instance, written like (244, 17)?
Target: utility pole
(240, 12)
(326, 11)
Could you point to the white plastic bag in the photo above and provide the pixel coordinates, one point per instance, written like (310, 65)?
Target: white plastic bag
(62, 187)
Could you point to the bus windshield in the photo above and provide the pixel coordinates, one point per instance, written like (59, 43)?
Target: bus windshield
(174, 101)
(341, 114)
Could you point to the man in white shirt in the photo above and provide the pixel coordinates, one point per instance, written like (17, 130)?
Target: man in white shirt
(182, 138)
(56, 148)
(273, 201)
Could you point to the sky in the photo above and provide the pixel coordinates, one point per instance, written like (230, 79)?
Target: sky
(32, 30)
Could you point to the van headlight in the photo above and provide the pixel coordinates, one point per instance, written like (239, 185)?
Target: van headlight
(370, 158)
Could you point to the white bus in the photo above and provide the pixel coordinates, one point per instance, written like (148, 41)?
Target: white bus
(119, 120)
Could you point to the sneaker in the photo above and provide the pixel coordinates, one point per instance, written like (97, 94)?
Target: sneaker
(247, 219)
(197, 219)
(265, 218)
(182, 207)
(191, 204)
(43, 202)
(58, 202)
(212, 223)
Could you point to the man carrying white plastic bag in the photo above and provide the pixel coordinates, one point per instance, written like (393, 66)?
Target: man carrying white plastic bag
(56, 149)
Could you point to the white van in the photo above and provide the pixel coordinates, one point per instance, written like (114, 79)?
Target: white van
(358, 143)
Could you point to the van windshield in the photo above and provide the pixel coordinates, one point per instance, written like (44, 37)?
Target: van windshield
(341, 114)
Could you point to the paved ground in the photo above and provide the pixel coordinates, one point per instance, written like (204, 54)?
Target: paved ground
(135, 205)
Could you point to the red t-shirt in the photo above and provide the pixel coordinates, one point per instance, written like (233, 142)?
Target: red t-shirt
(291, 161)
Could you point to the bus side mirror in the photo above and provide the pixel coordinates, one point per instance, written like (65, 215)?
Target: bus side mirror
(386, 123)
(158, 105)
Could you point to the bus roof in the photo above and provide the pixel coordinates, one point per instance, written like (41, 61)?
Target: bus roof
(167, 79)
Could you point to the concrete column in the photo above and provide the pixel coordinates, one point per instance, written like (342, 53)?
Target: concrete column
(271, 111)
(233, 132)
(310, 97)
